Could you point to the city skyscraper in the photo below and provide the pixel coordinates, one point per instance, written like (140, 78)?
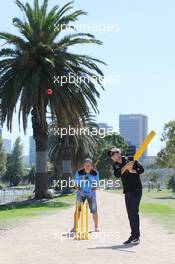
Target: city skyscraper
(7, 144)
(134, 129)
(32, 151)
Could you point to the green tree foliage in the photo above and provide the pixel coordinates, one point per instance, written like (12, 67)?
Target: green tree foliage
(171, 183)
(30, 176)
(166, 157)
(3, 158)
(101, 158)
(152, 176)
(15, 166)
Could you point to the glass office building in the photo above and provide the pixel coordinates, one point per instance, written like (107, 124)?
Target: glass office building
(134, 129)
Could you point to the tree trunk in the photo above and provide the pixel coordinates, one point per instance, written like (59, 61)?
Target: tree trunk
(40, 134)
(57, 173)
(174, 181)
(67, 172)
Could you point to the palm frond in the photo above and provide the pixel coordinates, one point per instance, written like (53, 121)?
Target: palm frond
(38, 54)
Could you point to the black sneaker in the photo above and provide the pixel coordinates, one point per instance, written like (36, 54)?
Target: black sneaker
(130, 239)
(135, 241)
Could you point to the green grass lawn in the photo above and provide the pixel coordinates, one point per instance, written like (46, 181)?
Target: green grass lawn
(16, 213)
(160, 206)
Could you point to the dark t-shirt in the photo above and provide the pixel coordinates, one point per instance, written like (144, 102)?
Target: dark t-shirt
(130, 181)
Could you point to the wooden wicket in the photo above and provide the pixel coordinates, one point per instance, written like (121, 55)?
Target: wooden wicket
(82, 235)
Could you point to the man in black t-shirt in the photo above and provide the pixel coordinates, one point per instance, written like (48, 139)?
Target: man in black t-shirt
(129, 171)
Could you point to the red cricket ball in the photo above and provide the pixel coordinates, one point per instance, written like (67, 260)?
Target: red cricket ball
(49, 91)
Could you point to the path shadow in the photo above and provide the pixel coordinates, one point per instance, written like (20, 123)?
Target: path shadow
(165, 198)
(121, 247)
(33, 203)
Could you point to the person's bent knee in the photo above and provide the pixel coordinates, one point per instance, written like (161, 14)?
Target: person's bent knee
(93, 208)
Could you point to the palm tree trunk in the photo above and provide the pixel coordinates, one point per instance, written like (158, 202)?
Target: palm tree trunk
(57, 173)
(40, 134)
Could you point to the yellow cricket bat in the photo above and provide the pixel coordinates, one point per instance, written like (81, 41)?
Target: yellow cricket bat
(144, 145)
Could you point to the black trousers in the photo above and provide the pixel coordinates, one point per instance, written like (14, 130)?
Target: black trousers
(132, 201)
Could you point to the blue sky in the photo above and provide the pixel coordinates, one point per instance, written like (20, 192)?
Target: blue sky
(142, 54)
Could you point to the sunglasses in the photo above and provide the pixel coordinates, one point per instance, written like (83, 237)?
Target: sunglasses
(116, 152)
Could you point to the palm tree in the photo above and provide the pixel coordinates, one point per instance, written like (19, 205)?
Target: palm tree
(31, 63)
(72, 147)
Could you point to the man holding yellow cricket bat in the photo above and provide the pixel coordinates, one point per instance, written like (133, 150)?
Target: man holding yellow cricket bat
(129, 171)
